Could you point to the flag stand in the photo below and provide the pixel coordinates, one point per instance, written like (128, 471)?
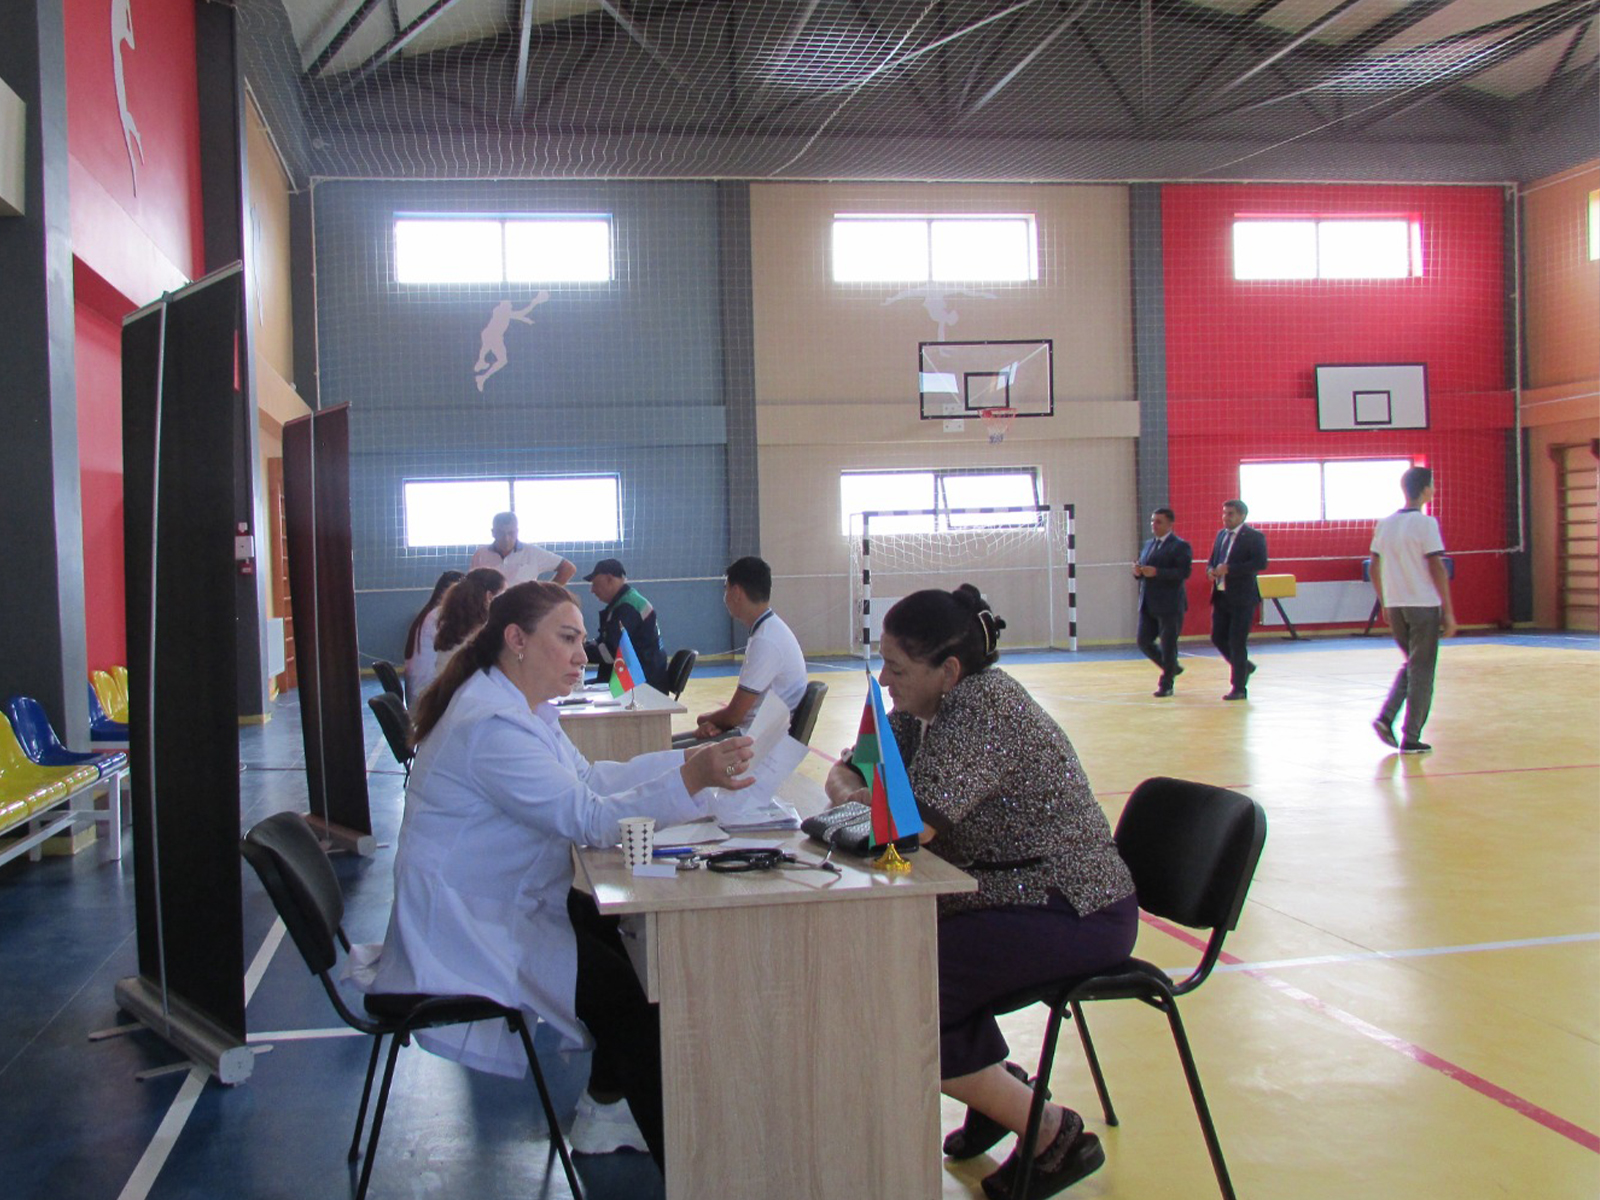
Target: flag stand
(891, 862)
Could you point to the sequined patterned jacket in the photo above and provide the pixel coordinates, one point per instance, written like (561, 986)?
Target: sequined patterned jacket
(1004, 791)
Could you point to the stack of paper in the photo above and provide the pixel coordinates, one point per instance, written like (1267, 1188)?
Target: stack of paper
(776, 756)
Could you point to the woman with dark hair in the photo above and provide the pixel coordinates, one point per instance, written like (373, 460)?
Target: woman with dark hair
(420, 654)
(498, 797)
(1003, 797)
(463, 611)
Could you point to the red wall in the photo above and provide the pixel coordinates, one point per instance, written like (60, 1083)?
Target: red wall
(1241, 380)
(130, 244)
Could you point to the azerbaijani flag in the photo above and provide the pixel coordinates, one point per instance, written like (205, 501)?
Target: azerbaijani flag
(622, 668)
(631, 657)
(877, 757)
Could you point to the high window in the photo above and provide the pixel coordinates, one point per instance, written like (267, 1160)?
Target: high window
(1334, 490)
(954, 248)
(532, 248)
(550, 509)
(1331, 248)
(949, 497)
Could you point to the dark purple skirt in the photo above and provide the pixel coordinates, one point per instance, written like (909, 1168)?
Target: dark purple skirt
(986, 955)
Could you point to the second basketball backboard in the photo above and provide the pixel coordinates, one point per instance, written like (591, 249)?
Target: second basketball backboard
(963, 379)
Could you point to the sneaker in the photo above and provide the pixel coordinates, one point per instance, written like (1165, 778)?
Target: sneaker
(1385, 731)
(1410, 747)
(603, 1128)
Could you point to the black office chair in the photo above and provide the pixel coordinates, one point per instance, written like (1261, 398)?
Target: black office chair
(804, 718)
(395, 721)
(389, 678)
(300, 881)
(1192, 849)
(679, 670)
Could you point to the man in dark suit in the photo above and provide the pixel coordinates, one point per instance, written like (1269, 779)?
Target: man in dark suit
(1237, 557)
(1164, 564)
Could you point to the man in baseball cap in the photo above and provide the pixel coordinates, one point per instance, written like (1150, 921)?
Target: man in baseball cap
(625, 609)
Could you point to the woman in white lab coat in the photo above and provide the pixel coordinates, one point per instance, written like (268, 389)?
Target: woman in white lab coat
(498, 796)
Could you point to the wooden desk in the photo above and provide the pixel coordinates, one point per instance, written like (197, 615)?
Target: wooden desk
(617, 733)
(799, 1020)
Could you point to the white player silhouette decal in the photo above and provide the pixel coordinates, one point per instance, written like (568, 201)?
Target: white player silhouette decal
(492, 344)
(936, 301)
(122, 32)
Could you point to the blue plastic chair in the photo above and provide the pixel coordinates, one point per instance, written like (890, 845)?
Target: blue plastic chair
(101, 727)
(40, 743)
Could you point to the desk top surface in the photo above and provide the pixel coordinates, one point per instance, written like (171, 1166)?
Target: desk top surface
(616, 890)
(647, 702)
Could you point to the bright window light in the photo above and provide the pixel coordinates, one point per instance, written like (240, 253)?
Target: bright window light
(1282, 491)
(455, 512)
(1362, 491)
(998, 249)
(1000, 489)
(1364, 249)
(581, 508)
(559, 250)
(447, 251)
(880, 251)
(1274, 250)
(968, 248)
(867, 491)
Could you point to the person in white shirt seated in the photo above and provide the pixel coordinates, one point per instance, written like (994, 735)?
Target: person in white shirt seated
(483, 899)
(773, 661)
(420, 654)
(518, 562)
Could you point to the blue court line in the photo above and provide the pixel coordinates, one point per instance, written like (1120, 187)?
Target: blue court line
(1316, 960)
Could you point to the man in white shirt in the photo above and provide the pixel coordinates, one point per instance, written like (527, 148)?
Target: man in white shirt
(1413, 585)
(517, 562)
(772, 658)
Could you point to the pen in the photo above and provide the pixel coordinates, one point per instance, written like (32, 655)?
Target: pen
(673, 852)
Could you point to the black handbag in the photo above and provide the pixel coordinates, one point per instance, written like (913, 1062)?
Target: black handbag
(848, 827)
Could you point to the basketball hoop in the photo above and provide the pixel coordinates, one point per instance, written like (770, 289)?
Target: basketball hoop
(996, 421)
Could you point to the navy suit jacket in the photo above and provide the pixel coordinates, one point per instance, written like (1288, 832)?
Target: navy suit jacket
(1163, 594)
(1246, 560)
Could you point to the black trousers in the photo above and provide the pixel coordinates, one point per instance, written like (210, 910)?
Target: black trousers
(1230, 633)
(626, 1027)
(1158, 640)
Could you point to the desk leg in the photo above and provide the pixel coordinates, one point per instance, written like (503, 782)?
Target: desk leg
(800, 1050)
(1278, 604)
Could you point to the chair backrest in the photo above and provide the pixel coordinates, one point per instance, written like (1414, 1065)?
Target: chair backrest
(299, 879)
(119, 676)
(97, 711)
(106, 689)
(12, 755)
(395, 722)
(679, 670)
(1192, 849)
(32, 727)
(804, 719)
(389, 678)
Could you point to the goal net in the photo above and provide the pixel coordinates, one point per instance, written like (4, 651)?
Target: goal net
(1023, 559)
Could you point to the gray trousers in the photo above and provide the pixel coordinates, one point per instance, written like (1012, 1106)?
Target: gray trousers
(1416, 631)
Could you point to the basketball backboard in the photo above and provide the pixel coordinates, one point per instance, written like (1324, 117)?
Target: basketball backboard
(962, 379)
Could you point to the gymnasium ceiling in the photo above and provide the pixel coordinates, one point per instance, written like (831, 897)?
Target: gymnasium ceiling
(1441, 90)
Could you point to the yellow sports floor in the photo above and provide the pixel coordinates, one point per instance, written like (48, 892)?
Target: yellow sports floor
(1414, 1002)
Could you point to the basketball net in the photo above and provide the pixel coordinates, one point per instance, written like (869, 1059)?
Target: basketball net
(996, 421)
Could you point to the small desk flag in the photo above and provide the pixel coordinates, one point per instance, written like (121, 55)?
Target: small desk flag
(623, 667)
(877, 757)
(631, 657)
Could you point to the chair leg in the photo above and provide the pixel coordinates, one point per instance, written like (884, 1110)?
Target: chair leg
(366, 1094)
(1094, 1064)
(1197, 1094)
(400, 1039)
(1027, 1144)
(558, 1141)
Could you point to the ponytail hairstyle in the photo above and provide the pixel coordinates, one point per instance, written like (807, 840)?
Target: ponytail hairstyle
(440, 587)
(466, 606)
(524, 606)
(934, 625)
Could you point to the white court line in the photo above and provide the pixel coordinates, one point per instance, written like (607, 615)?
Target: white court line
(166, 1136)
(303, 1035)
(1318, 960)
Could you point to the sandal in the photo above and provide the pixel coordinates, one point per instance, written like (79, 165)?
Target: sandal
(979, 1132)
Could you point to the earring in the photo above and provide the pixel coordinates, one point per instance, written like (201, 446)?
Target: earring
(519, 656)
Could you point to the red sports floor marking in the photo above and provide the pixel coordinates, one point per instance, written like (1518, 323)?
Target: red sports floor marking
(1517, 1104)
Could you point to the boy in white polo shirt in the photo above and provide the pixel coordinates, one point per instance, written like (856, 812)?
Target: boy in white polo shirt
(1413, 585)
(772, 658)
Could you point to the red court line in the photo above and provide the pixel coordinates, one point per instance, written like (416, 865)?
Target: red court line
(1517, 1104)
(1495, 771)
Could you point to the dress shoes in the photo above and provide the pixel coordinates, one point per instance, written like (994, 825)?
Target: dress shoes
(1177, 669)
(1412, 747)
(1249, 668)
(1164, 689)
(1237, 694)
(1385, 731)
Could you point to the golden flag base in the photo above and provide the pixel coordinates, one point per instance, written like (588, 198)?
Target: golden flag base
(891, 862)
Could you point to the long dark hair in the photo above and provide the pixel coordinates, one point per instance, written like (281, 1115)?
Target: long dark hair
(440, 587)
(523, 606)
(933, 626)
(466, 605)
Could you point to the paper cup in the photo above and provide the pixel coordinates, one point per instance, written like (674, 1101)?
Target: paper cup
(638, 840)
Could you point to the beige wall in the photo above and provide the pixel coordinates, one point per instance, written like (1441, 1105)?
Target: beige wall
(836, 384)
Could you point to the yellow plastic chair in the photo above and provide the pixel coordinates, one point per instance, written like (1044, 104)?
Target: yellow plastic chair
(119, 676)
(23, 779)
(115, 703)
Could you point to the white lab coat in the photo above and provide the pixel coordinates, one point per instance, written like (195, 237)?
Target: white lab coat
(498, 796)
